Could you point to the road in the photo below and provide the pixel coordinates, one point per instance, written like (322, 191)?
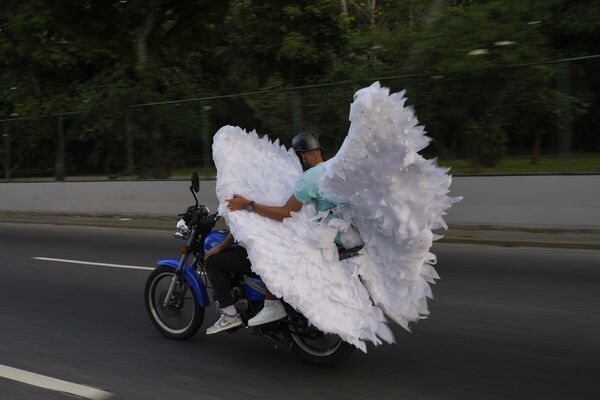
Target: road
(506, 323)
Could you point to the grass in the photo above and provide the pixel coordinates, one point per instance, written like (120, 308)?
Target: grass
(202, 171)
(576, 163)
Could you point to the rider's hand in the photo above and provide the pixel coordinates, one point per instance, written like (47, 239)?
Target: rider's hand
(238, 202)
(212, 252)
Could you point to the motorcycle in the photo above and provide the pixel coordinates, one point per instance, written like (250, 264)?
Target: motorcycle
(176, 295)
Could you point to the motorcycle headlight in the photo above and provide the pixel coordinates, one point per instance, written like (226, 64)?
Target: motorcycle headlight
(182, 231)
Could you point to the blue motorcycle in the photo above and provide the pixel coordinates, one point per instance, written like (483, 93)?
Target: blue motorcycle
(176, 295)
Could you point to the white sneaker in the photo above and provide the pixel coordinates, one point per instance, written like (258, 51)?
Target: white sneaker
(224, 323)
(272, 311)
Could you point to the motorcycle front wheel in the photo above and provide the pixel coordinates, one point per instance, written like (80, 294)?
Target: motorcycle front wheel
(182, 316)
(326, 350)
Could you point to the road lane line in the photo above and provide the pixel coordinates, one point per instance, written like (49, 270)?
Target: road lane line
(92, 263)
(57, 385)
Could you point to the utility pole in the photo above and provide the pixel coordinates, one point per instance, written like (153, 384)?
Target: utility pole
(6, 152)
(344, 5)
(565, 119)
(129, 142)
(297, 118)
(59, 168)
(205, 134)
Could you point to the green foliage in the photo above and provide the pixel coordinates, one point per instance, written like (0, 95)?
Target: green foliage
(495, 105)
(97, 57)
(302, 42)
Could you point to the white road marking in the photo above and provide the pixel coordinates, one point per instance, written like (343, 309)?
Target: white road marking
(57, 385)
(92, 263)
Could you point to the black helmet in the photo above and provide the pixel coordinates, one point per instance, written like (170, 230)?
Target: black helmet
(306, 141)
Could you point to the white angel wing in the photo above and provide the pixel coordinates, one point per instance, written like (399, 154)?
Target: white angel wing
(394, 196)
(296, 258)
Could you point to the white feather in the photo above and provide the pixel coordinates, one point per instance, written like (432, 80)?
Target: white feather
(296, 258)
(396, 198)
(393, 195)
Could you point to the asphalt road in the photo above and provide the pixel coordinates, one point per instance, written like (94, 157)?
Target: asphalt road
(506, 323)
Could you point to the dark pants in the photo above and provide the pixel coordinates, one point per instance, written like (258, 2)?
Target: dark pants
(219, 268)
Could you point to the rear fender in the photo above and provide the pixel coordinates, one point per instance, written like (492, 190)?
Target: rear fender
(191, 278)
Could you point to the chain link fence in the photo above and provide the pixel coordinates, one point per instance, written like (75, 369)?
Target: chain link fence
(526, 119)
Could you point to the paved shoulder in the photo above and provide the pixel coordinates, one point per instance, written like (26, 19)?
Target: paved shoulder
(495, 236)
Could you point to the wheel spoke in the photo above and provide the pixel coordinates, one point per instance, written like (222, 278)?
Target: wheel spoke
(173, 319)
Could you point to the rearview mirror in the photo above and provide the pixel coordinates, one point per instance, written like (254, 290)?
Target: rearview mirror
(195, 182)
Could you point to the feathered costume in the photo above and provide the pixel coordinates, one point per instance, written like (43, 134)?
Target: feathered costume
(386, 189)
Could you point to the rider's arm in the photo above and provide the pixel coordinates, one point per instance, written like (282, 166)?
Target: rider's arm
(239, 202)
(305, 191)
(227, 242)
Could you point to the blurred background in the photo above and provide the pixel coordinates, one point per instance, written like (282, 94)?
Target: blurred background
(134, 89)
(107, 106)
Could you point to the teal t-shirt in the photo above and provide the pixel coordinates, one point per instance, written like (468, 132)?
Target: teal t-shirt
(308, 190)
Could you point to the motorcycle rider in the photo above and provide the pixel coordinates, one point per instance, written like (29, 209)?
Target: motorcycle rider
(224, 258)
(309, 151)
(220, 261)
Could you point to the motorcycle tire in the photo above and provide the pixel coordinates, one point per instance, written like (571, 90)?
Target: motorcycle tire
(180, 321)
(327, 356)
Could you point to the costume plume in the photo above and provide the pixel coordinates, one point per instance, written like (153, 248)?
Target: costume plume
(390, 193)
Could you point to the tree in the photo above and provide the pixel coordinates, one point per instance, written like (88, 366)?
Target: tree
(302, 42)
(469, 43)
(96, 57)
(99, 57)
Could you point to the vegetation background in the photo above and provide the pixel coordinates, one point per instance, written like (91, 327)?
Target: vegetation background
(138, 87)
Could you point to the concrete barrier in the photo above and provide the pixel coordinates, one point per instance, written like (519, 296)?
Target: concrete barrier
(570, 202)
(151, 197)
(552, 201)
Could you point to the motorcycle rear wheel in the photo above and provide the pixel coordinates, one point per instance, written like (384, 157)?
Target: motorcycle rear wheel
(183, 316)
(327, 351)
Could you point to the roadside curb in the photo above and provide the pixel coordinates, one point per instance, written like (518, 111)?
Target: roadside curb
(474, 235)
(158, 223)
(506, 243)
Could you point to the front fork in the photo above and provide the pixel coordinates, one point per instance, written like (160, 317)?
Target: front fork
(179, 270)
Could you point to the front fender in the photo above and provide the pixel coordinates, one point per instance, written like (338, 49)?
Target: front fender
(191, 278)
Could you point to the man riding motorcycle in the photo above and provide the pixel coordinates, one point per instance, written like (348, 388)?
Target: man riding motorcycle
(223, 259)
